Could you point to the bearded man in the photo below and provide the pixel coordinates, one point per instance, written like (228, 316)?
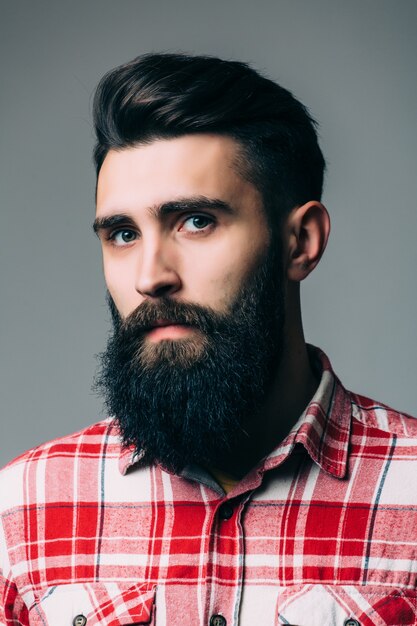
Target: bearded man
(236, 480)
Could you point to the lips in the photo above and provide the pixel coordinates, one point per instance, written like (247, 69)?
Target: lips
(163, 323)
(167, 329)
(166, 323)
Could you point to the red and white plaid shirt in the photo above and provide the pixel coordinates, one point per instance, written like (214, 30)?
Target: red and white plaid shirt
(324, 530)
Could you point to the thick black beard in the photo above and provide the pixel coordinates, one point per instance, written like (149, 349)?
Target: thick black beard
(186, 401)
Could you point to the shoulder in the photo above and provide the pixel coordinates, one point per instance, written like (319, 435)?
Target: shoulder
(56, 459)
(88, 439)
(379, 416)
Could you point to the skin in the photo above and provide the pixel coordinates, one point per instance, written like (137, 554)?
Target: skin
(185, 224)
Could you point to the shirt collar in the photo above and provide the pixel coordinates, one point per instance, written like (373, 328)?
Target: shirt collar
(127, 459)
(323, 428)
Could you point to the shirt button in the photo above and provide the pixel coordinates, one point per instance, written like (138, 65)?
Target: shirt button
(352, 622)
(79, 620)
(225, 513)
(217, 620)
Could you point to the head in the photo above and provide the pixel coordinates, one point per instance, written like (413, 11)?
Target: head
(164, 96)
(209, 179)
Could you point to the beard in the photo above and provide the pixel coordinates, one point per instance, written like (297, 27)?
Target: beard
(188, 401)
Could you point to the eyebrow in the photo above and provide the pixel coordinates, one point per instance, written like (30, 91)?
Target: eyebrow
(182, 205)
(104, 223)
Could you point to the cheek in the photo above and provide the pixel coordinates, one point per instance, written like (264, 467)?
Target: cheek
(217, 282)
(120, 287)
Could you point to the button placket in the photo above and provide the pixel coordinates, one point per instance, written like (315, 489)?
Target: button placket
(226, 511)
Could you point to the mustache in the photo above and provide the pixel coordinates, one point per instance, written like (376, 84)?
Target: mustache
(150, 314)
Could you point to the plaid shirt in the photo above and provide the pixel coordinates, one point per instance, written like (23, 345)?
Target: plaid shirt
(322, 532)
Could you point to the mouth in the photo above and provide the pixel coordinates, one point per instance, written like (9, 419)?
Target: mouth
(168, 329)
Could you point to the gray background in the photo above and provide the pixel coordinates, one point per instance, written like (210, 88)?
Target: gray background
(352, 62)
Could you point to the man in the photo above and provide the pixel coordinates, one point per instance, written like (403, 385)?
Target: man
(237, 481)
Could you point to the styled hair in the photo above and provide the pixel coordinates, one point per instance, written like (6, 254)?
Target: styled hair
(160, 96)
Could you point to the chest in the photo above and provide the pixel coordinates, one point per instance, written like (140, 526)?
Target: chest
(303, 545)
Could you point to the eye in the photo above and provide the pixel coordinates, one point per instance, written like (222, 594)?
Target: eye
(122, 237)
(196, 223)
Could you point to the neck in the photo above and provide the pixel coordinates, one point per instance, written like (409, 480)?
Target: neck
(294, 385)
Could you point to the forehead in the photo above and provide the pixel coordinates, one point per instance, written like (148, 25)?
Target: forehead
(150, 174)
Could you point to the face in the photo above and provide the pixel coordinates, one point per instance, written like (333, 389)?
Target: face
(196, 296)
(176, 220)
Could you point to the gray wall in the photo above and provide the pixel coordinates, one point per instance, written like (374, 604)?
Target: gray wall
(353, 63)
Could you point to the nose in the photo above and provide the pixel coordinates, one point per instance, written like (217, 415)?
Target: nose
(156, 274)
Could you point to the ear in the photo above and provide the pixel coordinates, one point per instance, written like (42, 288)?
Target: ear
(307, 230)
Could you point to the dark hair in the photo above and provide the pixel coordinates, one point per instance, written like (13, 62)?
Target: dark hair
(159, 96)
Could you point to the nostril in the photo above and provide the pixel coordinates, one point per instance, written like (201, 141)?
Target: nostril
(164, 290)
(157, 283)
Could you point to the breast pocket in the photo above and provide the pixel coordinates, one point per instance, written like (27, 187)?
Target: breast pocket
(346, 605)
(93, 604)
